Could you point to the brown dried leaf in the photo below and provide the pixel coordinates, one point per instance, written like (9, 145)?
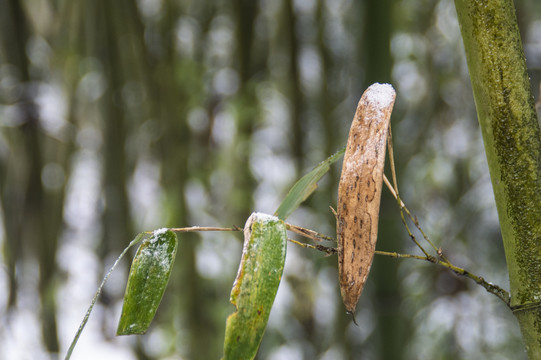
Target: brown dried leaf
(359, 191)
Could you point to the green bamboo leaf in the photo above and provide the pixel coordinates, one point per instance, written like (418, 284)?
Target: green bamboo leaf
(255, 286)
(305, 186)
(148, 278)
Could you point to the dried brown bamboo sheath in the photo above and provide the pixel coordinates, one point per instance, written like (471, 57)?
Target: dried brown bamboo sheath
(359, 191)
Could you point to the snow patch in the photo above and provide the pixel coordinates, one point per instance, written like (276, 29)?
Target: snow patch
(264, 217)
(159, 232)
(380, 95)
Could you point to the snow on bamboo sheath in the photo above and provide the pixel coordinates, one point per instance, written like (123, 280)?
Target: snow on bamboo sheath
(359, 190)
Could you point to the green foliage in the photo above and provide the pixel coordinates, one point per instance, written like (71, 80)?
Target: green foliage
(149, 275)
(255, 287)
(305, 186)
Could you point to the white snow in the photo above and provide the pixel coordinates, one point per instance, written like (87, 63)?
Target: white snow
(380, 95)
(264, 217)
(160, 231)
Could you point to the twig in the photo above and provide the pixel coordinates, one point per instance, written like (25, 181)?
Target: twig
(137, 239)
(491, 288)
(325, 249)
(314, 235)
(394, 191)
(402, 206)
(204, 228)
(311, 234)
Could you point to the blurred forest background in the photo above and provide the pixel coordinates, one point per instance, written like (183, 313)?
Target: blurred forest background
(123, 116)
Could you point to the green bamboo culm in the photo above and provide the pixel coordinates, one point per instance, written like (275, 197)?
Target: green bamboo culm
(512, 139)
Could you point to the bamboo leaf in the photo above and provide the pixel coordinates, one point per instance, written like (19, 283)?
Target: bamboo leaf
(256, 284)
(305, 186)
(149, 275)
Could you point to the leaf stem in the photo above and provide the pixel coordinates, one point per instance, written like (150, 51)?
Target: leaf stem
(137, 239)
